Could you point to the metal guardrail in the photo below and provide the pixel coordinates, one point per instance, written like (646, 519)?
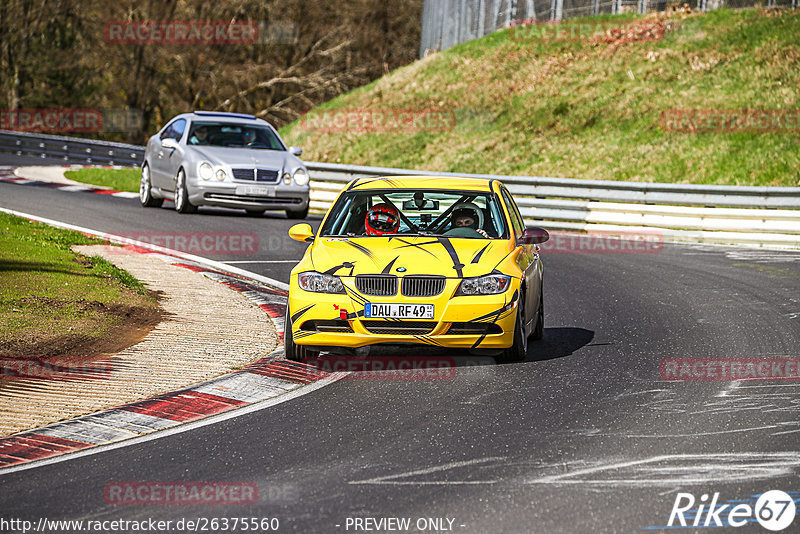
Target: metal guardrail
(70, 149)
(685, 212)
(681, 212)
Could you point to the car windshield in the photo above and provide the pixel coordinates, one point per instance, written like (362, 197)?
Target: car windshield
(234, 135)
(373, 213)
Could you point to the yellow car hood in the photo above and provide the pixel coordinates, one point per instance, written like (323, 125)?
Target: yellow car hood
(436, 255)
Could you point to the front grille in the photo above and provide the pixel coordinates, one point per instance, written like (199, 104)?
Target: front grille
(266, 175)
(423, 286)
(332, 325)
(474, 329)
(256, 175)
(243, 174)
(399, 328)
(252, 200)
(377, 285)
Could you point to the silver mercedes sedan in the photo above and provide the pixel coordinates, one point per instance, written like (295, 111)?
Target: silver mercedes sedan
(223, 159)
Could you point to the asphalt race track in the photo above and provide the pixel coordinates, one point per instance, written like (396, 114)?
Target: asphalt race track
(584, 436)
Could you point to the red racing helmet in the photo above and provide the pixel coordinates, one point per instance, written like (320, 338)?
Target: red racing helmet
(382, 219)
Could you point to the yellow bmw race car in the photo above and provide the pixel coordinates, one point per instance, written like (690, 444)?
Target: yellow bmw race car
(446, 262)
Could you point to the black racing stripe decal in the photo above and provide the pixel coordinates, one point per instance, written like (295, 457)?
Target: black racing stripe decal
(479, 341)
(477, 257)
(388, 267)
(457, 265)
(355, 296)
(497, 312)
(297, 334)
(362, 249)
(418, 245)
(300, 312)
(428, 340)
(345, 265)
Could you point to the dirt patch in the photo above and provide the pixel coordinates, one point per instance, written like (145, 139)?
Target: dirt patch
(126, 326)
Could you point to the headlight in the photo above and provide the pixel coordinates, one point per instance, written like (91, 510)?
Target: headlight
(206, 171)
(320, 283)
(301, 176)
(491, 284)
(221, 175)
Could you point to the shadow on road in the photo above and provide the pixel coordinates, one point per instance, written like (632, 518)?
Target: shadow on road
(558, 343)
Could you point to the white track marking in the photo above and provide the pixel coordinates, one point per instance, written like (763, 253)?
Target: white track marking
(425, 471)
(238, 412)
(124, 240)
(259, 261)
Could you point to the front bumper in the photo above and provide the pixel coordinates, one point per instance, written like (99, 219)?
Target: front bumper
(322, 320)
(212, 193)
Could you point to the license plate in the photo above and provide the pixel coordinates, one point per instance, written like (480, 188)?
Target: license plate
(398, 311)
(255, 191)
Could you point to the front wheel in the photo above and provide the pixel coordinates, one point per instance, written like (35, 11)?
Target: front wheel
(292, 351)
(538, 333)
(146, 190)
(517, 351)
(182, 204)
(302, 214)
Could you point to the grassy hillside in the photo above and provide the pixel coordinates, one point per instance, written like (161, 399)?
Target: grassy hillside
(525, 103)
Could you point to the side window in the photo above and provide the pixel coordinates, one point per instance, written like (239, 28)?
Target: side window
(176, 131)
(167, 132)
(516, 218)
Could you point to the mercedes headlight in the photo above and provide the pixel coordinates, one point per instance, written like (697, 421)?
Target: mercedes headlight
(491, 284)
(221, 175)
(320, 283)
(206, 171)
(301, 176)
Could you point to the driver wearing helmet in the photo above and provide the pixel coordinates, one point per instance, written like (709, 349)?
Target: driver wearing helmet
(468, 215)
(382, 219)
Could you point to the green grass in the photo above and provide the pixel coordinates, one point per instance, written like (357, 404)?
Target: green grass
(117, 179)
(588, 109)
(47, 290)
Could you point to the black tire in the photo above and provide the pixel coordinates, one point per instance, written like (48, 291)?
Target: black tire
(146, 190)
(182, 204)
(538, 332)
(292, 351)
(255, 213)
(517, 351)
(302, 214)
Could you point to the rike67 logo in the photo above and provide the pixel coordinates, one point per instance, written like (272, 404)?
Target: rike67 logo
(774, 510)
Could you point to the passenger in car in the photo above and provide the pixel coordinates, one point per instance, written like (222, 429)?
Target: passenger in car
(467, 217)
(199, 137)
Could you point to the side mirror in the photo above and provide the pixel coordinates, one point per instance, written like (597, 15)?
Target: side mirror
(296, 151)
(301, 232)
(169, 143)
(534, 236)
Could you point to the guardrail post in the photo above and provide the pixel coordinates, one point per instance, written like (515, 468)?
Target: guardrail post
(557, 10)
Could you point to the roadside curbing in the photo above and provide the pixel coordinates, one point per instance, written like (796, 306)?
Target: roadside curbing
(10, 177)
(262, 381)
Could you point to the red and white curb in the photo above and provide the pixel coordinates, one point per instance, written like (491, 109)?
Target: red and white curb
(10, 177)
(262, 382)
